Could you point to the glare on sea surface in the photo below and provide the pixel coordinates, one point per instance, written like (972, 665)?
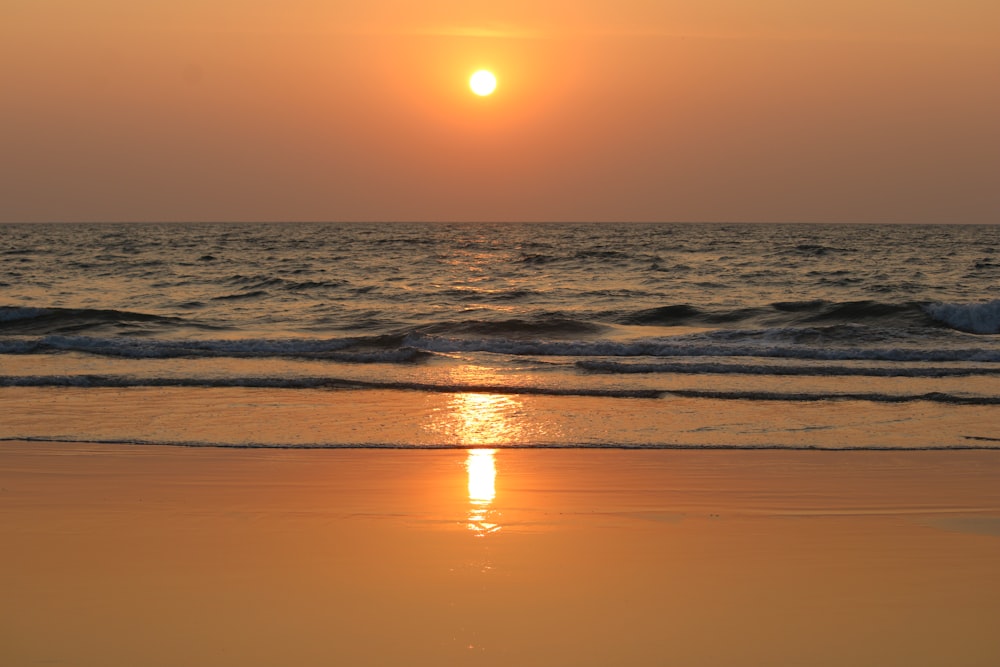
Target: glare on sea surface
(484, 419)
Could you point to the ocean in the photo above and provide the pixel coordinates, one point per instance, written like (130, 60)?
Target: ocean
(501, 335)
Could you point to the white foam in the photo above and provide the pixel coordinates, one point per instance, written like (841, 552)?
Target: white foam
(979, 318)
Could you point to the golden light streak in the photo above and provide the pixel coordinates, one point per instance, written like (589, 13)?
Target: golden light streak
(481, 467)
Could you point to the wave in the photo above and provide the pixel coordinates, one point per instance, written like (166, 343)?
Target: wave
(978, 318)
(490, 296)
(549, 325)
(89, 381)
(240, 296)
(21, 320)
(797, 318)
(374, 349)
(402, 348)
(685, 314)
(699, 346)
(263, 282)
(614, 367)
(811, 397)
(816, 249)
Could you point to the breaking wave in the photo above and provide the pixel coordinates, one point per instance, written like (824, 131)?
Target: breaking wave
(89, 381)
(403, 348)
(977, 318)
(714, 368)
(265, 382)
(699, 346)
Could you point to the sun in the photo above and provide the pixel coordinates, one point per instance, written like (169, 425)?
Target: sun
(483, 83)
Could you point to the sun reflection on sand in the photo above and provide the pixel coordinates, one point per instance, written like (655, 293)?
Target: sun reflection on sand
(482, 469)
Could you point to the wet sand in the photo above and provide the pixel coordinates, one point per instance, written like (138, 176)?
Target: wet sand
(116, 555)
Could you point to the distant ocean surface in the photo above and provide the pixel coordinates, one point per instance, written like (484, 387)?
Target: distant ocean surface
(890, 322)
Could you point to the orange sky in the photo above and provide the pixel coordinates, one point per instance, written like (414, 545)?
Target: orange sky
(717, 110)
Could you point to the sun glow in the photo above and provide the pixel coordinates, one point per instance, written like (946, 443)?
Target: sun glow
(483, 83)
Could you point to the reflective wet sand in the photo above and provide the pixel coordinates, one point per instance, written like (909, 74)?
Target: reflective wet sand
(372, 418)
(164, 556)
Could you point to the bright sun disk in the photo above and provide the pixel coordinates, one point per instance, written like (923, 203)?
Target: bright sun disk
(483, 83)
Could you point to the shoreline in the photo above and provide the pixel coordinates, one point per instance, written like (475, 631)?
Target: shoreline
(388, 446)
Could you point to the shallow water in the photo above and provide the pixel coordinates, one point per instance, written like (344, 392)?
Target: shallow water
(769, 335)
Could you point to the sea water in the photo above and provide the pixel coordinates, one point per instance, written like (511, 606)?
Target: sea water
(526, 335)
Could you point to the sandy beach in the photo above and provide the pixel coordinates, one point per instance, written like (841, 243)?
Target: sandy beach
(117, 555)
(623, 333)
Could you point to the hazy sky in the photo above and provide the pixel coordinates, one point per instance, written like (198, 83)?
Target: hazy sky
(724, 110)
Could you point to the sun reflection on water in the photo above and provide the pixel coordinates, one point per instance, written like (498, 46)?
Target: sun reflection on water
(484, 419)
(481, 422)
(476, 420)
